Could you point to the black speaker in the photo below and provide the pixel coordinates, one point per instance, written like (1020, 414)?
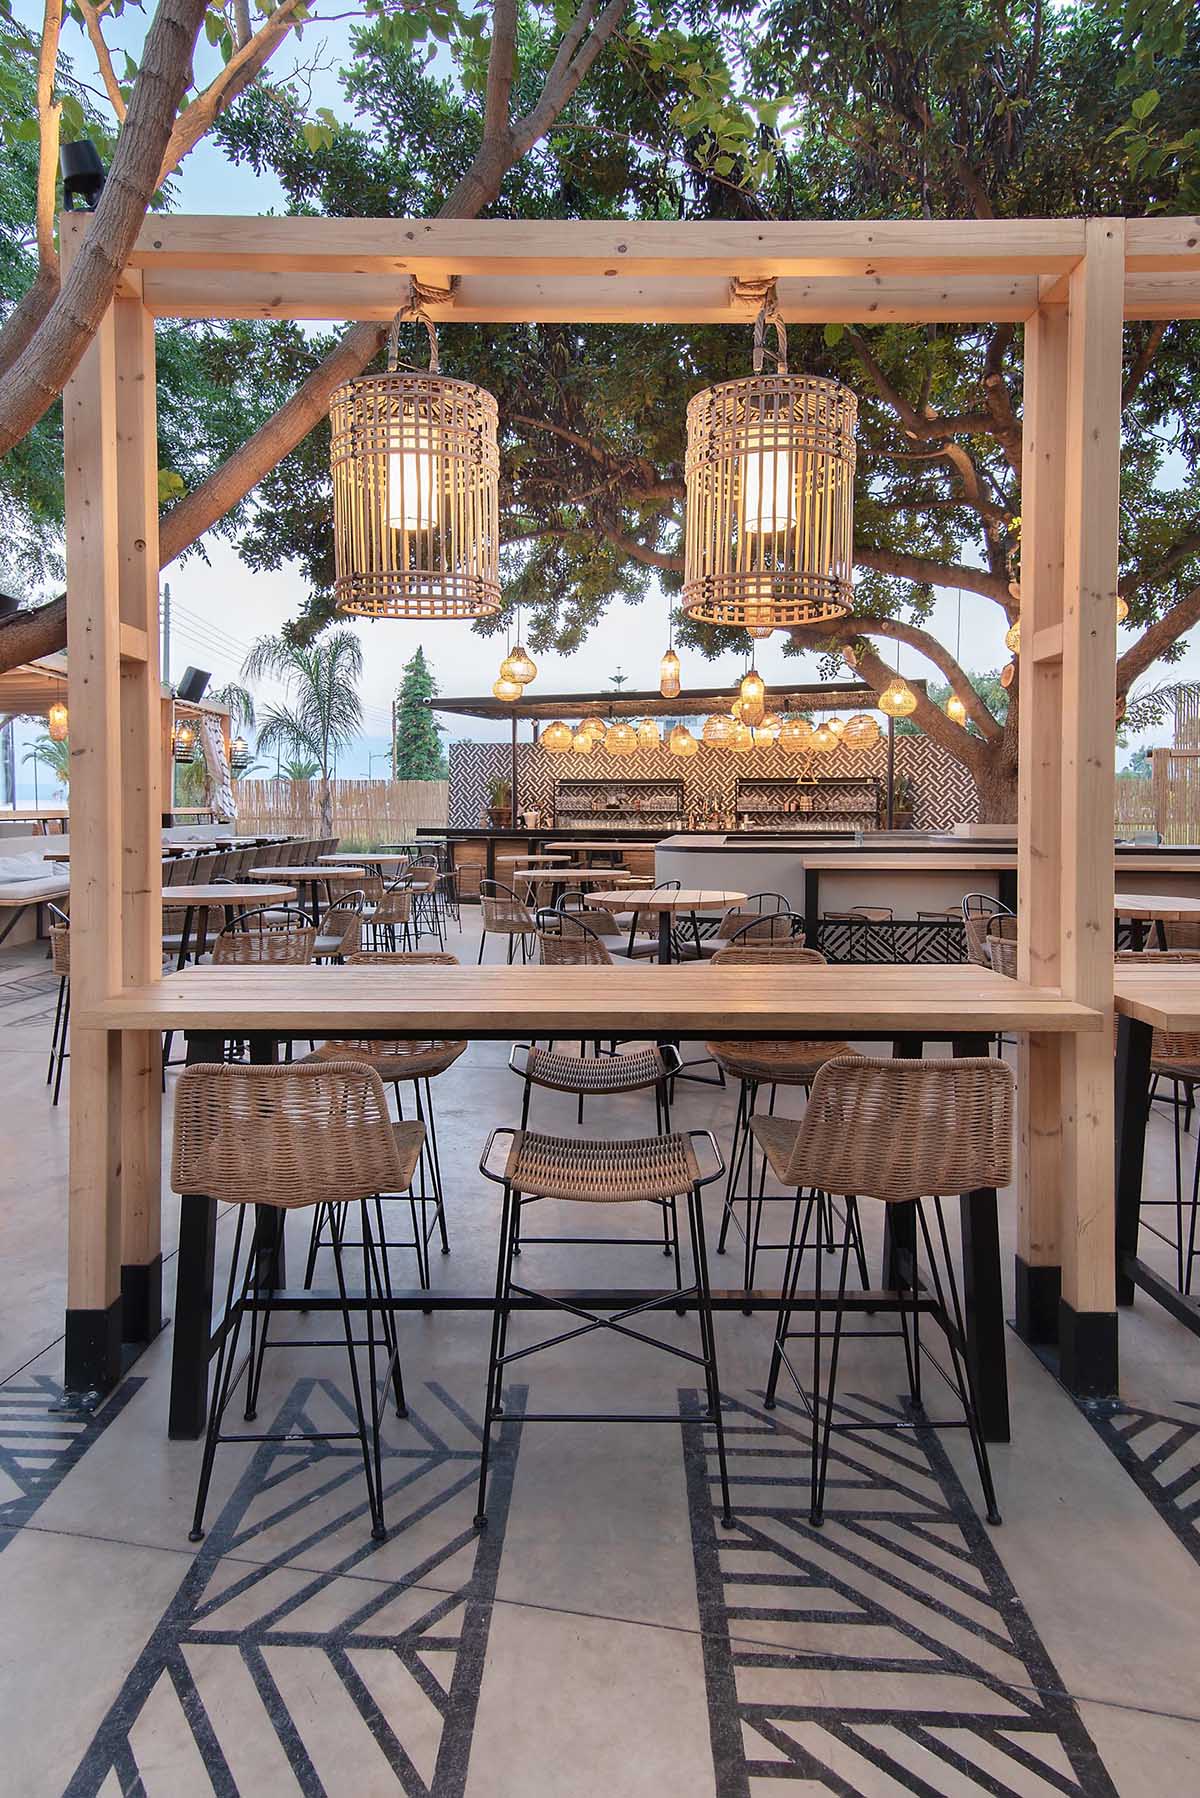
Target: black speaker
(193, 685)
(82, 173)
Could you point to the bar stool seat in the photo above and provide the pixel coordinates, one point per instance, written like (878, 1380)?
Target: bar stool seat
(393, 1059)
(776, 1063)
(628, 1072)
(652, 1168)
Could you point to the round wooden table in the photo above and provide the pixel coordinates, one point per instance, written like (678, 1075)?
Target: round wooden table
(201, 897)
(667, 906)
(305, 877)
(388, 858)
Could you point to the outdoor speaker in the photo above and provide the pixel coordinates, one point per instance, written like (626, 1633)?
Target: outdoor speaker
(82, 173)
(193, 685)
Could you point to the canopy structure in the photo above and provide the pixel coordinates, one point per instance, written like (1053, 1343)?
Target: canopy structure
(1071, 282)
(696, 702)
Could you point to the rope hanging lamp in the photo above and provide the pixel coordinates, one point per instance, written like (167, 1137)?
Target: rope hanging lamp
(416, 475)
(769, 476)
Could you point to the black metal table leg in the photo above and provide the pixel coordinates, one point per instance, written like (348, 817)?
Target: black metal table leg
(193, 1290)
(983, 1307)
(812, 907)
(664, 936)
(900, 1221)
(1134, 1041)
(185, 938)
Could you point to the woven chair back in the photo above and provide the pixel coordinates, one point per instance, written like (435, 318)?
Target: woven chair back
(765, 955)
(60, 949)
(288, 1135)
(898, 1130)
(501, 908)
(266, 945)
(415, 958)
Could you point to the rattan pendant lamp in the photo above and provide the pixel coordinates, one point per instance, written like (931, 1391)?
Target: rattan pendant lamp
(416, 508)
(769, 475)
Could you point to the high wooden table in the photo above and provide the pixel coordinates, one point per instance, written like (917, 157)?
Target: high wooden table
(961, 1004)
(1158, 909)
(387, 858)
(1163, 997)
(308, 879)
(667, 906)
(600, 846)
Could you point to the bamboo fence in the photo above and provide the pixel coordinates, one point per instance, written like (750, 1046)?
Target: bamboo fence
(365, 812)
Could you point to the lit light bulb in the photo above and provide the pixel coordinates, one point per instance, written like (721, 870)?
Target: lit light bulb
(668, 675)
(412, 490)
(753, 696)
(769, 491)
(507, 689)
(556, 738)
(56, 722)
(583, 742)
(956, 710)
(897, 700)
(517, 666)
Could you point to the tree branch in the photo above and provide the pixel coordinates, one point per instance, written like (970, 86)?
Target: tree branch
(48, 131)
(1142, 362)
(1183, 551)
(34, 380)
(1157, 637)
(847, 629)
(104, 63)
(234, 78)
(927, 572)
(975, 756)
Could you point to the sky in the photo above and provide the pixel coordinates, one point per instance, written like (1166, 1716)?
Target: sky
(219, 607)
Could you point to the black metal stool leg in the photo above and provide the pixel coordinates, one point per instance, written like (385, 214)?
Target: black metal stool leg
(791, 1280)
(63, 1038)
(226, 1361)
(373, 1499)
(491, 1393)
(961, 1363)
(709, 1345)
(818, 1514)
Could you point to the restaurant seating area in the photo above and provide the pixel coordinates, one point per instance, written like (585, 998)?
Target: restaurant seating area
(341, 1588)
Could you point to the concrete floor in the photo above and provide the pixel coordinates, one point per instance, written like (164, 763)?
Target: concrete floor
(604, 1635)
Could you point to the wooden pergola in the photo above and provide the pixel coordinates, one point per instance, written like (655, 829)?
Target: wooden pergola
(1070, 282)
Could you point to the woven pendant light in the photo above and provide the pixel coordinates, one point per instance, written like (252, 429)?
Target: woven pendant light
(517, 666)
(1122, 608)
(595, 725)
(753, 695)
(898, 699)
(861, 732)
(583, 742)
(823, 740)
(620, 739)
(836, 725)
(648, 735)
(742, 739)
(956, 711)
(556, 738)
(506, 689)
(416, 503)
(796, 736)
(769, 476)
(682, 742)
(57, 722)
(1012, 637)
(718, 729)
(768, 731)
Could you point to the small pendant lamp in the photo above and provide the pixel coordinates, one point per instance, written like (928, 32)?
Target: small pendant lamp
(768, 731)
(620, 739)
(955, 709)
(682, 742)
(897, 699)
(769, 476)
(753, 696)
(56, 722)
(668, 668)
(506, 689)
(648, 735)
(742, 739)
(823, 740)
(861, 732)
(1012, 637)
(796, 736)
(583, 741)
(1122, 608)
(416, 490)
(517, 664)
(556, 738)
(718, 729)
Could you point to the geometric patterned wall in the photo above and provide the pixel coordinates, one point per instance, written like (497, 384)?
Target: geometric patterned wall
(943, 792)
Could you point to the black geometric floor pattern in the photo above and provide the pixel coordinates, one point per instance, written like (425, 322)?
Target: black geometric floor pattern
(1161, 1454)
(297, 1651)
(886, 1652)
(38, 1447)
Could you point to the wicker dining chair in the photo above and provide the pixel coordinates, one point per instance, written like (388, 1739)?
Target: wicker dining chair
(762, 1068)
(340, 933)
(255, 937)
(898, 1132)
(60, 961)
(656, 1170)
(503, 914)
(280, 1138)
(569, 939)
(400, 1062)
(391, 915)
(977, 910)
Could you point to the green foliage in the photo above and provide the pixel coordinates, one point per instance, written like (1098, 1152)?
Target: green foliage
(418, 750)
(322, 713)
(51, 755)
(1137, 767)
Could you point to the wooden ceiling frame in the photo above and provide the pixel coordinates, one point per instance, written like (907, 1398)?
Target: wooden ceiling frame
(1071, 282)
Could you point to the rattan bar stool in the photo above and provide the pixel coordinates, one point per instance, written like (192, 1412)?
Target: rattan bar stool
(656, 1170)
(283, 1138)
(60, 960)
(424, 878)
(398, 1062)
(391, 914)
(770, 1065)
(896, 1131)
(504, 915)
(1175, 1056)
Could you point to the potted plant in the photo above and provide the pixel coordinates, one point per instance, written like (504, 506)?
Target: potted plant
(903, 801)
(499, 794)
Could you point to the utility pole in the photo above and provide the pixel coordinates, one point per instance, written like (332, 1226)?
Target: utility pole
(166, 635)
(394, 775)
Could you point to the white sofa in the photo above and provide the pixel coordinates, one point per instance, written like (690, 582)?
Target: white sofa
(27, 882)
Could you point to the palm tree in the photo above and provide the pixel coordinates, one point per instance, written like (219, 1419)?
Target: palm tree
(323, 713)
(299, 767)
(48, 753)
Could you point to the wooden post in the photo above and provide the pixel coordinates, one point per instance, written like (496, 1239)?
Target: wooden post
(1040, 699)
(1160, 788)
(1087, 1309)
(93, 1322)
(141, 810)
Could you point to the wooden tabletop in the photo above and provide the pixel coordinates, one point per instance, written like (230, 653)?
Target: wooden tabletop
(389, 858)
(1171, 908)
(686, 899)
(602, 843)
(916, 861)
(689, 1000)
(308, 873)
(1166, 995)
(572, 876)
(532, 860)
(225, 893)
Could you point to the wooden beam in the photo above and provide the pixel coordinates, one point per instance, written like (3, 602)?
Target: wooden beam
(1047, 642)
(1088, 1331)
(1162, 243)
(173, 292)
(541, 247)
(93, 1324)
(141, 809)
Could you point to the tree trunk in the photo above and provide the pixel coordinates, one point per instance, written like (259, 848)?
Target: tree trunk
(326, 807)
(996, 786)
